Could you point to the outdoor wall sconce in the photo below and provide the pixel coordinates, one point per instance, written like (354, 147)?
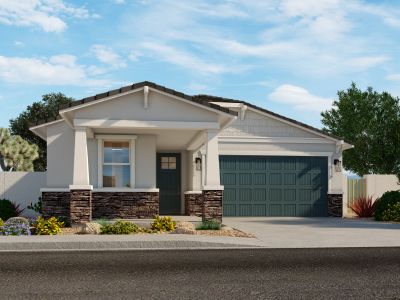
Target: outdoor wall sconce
(198, 163)
(338, 165)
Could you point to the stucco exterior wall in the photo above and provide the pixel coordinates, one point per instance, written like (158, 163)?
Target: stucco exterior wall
(161, 108)
(377, 185)
(22, 188)
(60, 155)
(146, 161)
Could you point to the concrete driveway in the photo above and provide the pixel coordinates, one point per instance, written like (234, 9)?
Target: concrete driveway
(279, 232)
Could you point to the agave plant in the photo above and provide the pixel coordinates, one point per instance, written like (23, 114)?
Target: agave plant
(9, 209)
(363, 206)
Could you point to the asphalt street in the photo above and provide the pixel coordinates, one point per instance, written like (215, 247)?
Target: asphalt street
(349, 273)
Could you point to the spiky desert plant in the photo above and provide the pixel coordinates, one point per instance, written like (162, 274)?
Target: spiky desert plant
(363, 206)
(16, 154)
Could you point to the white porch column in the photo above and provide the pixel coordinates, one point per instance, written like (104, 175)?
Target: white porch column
(80, 180)
(212, 176)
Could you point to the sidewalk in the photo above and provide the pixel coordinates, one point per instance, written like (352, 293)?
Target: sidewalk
(118, 242)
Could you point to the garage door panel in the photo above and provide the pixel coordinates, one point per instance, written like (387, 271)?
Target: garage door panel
(289, 210)
(260, 179)
(274, 186)
(289, 195)
(245, 179)
(275, 195)
(289, 179)
(245, 195)
(245, 210)
(259, 195)
(229, 210)
(275, 179)
(259, 210)
(229, 179)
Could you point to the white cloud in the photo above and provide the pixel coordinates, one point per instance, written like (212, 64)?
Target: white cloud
(367, 62)
(299, 98)
(19, 44)
(56, 70)
(393, 77)
(185, 59)
(119, 1)
(108, 56)
(134, 55)
(46, 14)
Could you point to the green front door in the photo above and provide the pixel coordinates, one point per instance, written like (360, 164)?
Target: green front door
(169, 182)
(274, 185)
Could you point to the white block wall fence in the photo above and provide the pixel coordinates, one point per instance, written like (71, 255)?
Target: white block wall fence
(22, 188)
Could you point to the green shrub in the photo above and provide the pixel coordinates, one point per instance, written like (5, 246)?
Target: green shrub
(50, 226)
(388, 199)
(9, 209)
(392, 213)
(37, 207)
(163, 224)
(209, 225)
(120, 227)
(1, 222)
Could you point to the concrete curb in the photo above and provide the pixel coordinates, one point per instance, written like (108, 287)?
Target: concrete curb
(114, 242)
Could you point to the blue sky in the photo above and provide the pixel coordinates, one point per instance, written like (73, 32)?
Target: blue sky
(288, 56)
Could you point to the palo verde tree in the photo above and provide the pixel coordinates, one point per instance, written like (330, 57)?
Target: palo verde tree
(371, 121)
(47, 108)
(16, 154)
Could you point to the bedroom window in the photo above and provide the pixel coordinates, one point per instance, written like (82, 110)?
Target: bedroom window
(116, 164)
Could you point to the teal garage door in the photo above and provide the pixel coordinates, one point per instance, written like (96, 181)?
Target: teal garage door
(274, 185)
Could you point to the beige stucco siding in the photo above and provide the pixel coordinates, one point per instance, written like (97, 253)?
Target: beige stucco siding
(145, 161)
(276, 147)
(60, 155)
(131, 107)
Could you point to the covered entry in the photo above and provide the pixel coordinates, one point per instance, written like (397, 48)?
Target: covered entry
(274, 185)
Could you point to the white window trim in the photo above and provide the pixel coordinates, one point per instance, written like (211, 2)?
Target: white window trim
(132, 158)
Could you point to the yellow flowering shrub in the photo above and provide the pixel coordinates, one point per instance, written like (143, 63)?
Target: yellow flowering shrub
(50, 226)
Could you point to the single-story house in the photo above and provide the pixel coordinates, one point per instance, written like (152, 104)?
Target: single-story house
(145, 149)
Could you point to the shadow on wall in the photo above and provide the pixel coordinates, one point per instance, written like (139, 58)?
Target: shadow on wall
(22, 188)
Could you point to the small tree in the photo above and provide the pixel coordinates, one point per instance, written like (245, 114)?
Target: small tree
(16, 154)
(371, 121)
(47, 108)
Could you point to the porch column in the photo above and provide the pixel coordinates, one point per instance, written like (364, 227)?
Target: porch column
(212, 189)
(80, 190)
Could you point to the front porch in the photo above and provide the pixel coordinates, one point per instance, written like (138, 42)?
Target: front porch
(151, 160)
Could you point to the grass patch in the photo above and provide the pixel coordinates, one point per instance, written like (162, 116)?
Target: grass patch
(209, 225)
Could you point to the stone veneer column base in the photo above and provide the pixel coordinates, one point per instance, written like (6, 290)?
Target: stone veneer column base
(212, 205)
(56, 204)
(194, 204)
(125, 205)
(335, 205)
(80, 206)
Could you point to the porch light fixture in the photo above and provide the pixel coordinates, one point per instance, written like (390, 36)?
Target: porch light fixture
(198, 163)
(338, 165)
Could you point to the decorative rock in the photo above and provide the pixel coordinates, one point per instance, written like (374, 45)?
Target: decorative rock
(89, 228)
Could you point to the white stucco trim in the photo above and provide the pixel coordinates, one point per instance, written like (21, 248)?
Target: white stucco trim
(81, 187)
(193, 192)
(106, 123)
(126, 190)
(213, 188)
(49, 189)
(272, 140)
(40, 130)
(115, 137)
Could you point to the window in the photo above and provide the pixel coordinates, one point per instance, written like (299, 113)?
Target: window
(116, 164)
(168, 163)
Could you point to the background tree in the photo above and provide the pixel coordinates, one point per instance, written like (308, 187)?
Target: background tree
(16, 154)
(371, 121)
(47, 108)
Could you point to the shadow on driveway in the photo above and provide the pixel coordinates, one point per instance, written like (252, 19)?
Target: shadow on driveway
(314, 222)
